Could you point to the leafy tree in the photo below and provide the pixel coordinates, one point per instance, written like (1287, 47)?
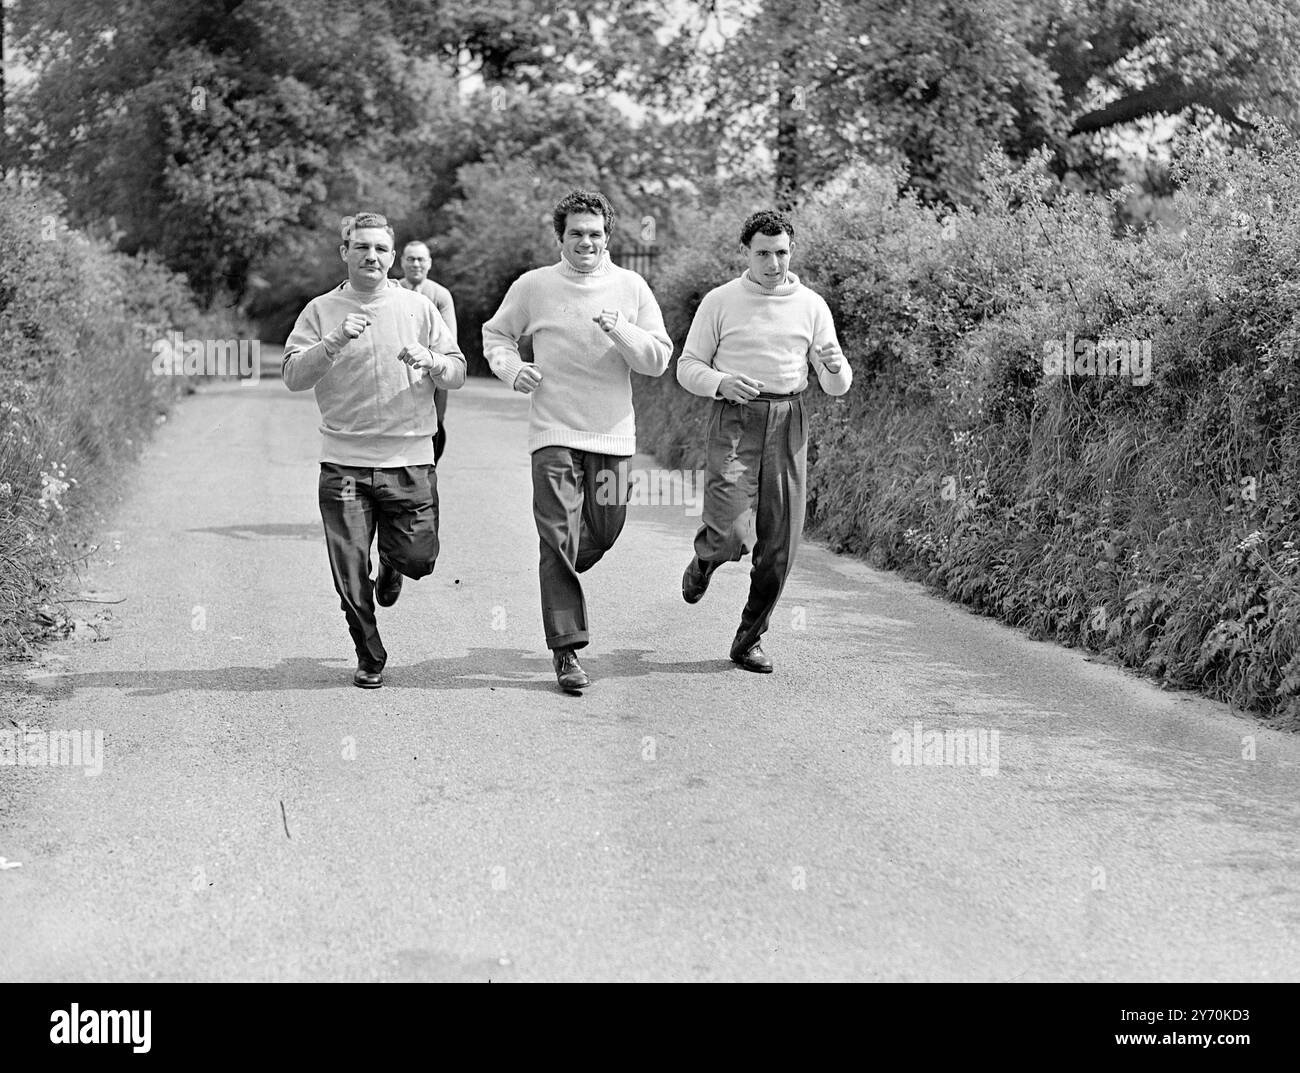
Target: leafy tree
(1117, 62)
(804, 90)
(210, 131)
(528, 43)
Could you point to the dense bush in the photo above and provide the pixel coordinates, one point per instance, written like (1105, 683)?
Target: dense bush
(77, 393)
(1152, 520)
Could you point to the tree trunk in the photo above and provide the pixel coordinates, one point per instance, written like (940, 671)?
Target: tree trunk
(789, 105)
(4, 78)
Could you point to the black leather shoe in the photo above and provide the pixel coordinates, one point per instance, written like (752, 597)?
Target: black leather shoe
(388, 585)
(695, 580)
(364, 679)
(568, 672)
(752, 659)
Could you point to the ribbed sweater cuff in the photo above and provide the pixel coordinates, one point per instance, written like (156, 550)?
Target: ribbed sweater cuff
(836, 383)
(505, 364)
(626, 336)
(700, 379)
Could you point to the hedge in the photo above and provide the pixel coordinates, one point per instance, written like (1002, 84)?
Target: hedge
(1148, 517)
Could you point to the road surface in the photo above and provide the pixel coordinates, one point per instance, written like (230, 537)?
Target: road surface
(259, 818)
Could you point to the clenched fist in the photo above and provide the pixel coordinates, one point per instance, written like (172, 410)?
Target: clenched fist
(354, 324)
(417, 357)
(528, 379)
(831, 356)
(739, 388)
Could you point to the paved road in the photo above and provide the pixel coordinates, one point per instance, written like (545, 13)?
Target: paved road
(259, 818)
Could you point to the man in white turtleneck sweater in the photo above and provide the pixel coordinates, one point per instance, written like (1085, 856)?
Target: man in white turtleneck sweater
(749, 349)
(592, 324)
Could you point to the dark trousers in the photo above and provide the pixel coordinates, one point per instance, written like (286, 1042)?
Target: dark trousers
(440, 437)
(579, 505)
(755, 497)
(401, 504)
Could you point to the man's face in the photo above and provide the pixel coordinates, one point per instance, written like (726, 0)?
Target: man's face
(368, 256)
(416, 263)
(584, 240)
(769, 258)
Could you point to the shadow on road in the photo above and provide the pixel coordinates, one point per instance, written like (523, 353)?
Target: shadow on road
(479, 668)
(288, 530)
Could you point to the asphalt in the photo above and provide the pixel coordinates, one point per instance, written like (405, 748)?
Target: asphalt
(259, 818)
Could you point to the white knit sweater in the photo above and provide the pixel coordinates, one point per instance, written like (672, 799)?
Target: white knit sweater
(375, 410)
(585, 398)
(768, 333)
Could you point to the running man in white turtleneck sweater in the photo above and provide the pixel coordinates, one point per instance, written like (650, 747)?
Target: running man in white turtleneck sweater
(374, 354)
(749, 349)
(592, 324)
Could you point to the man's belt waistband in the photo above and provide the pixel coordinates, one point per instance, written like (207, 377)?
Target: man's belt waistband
(768, 396)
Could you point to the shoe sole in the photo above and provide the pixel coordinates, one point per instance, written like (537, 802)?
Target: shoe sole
(572, 688)
(366, 685)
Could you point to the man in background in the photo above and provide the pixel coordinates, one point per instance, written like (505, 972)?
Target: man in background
(416, 262)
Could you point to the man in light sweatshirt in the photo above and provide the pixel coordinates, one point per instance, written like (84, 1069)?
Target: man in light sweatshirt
(374, 353)
(416, 262)
(592, 324)
(749, 349)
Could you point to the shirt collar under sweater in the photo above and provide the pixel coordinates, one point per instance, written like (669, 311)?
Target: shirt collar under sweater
(790, 285)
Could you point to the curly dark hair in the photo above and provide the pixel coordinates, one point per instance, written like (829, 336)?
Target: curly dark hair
(583, 201)
(767, 222)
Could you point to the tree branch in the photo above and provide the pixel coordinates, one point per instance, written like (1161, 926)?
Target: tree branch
(1169, 98)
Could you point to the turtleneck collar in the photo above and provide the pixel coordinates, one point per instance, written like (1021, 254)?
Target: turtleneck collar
(369, 296)
(602, 268)
(790, 285)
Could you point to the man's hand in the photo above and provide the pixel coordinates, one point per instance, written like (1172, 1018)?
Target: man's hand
(739, 388)
(607, 319)
(528, 379)
(831, 356)
(417, 357)
(354, 324)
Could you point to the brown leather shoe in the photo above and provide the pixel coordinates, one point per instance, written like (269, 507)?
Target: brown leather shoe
(752, 659)
(388, 585)
(568, 671)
